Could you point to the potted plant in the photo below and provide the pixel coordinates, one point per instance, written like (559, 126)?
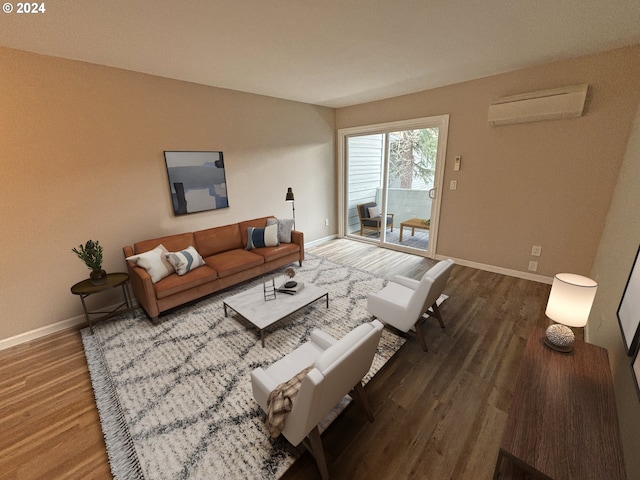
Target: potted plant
(91, 254)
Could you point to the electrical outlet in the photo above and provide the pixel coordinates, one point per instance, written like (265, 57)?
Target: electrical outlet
(453, 184)
(533, 266)
(536, 250)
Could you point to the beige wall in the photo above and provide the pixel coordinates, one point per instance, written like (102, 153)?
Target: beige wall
(611, 269)
(545, 183)
(81, 157)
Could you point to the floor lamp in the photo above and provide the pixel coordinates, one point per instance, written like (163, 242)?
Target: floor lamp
(290, 198)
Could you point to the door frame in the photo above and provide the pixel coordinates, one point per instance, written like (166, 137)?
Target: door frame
(440, 121)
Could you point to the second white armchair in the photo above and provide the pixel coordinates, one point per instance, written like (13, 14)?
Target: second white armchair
(405, 303)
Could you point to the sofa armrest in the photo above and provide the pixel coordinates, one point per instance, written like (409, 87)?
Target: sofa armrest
(298, 238)
(142, 286)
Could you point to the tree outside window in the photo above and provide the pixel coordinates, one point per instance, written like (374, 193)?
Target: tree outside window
(412, 156)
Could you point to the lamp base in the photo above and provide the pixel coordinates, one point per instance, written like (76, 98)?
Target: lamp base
(558, 348)
(560, 338)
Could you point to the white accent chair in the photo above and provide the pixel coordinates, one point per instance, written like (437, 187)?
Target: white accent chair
(405, 303)
(339, 366)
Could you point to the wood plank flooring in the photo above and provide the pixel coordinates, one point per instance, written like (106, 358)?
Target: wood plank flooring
(439, 415)
(49, 426)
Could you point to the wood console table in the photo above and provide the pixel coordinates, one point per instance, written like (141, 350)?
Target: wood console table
(563, 423)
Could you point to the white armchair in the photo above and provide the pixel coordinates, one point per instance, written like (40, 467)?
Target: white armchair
(405, 303)
(338, 369)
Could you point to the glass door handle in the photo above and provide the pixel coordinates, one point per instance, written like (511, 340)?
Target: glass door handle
(432, 193)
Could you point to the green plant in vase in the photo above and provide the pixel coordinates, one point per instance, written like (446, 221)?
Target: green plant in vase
(91, 254)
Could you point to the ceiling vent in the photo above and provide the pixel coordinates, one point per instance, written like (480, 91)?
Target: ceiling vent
(565, 102)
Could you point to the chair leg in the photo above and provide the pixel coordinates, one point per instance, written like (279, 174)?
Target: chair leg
(360, 396)
(313, 443)
(435, 312)
(420, 334)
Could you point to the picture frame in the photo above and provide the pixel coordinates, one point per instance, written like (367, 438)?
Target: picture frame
(635, 368)
(197, 181)
(629, 309)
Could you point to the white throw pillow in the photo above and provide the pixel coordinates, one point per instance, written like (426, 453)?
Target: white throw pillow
(285, 226)
(154, 262)
(374, 212)
(185, 261)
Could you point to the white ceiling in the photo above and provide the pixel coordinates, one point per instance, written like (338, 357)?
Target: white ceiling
(326, 52)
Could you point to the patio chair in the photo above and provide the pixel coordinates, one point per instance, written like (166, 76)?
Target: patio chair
(372, 222)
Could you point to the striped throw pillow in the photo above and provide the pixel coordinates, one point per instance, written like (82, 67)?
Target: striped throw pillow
(262, 237)
(185, 260)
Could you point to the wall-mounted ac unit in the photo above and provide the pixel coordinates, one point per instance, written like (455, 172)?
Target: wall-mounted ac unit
(564, 102)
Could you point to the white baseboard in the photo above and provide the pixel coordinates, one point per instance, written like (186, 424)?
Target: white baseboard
(53, 328)
(320, 241)
(504, 271)
(42, 331)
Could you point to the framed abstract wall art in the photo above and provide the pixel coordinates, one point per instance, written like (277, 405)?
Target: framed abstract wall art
(197, 181)
(629, 309)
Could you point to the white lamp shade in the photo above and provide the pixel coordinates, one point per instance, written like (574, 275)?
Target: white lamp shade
(571, 299)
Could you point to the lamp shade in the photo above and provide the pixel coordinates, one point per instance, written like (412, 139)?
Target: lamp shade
(289, 195)
(571, 299)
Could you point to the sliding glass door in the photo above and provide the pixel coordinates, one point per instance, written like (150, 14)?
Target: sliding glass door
(392, 180)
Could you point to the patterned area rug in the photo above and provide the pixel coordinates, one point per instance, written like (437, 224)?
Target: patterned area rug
(175, 399)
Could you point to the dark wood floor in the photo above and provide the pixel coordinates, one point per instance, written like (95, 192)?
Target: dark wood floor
(439, 415)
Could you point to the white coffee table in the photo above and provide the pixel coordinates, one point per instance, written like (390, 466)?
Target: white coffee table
(261, 313)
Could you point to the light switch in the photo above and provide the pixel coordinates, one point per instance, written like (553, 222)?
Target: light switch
(456, 164)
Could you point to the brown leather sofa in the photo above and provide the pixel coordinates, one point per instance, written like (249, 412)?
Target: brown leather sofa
(227, 263)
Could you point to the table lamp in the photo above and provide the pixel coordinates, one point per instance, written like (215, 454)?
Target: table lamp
(290, 198)
(569, 305)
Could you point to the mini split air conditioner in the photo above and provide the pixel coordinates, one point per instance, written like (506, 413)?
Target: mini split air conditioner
(565, 102)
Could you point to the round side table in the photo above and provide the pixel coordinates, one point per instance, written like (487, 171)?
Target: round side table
(85, 288)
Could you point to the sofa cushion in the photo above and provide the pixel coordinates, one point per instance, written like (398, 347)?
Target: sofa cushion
(233, 261)
(262, 237)
(273, 253)
(218, 239)
(154, 262)
(175, 284)
(185, 260)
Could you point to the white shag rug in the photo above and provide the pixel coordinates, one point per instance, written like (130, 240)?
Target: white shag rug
(175, 399)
